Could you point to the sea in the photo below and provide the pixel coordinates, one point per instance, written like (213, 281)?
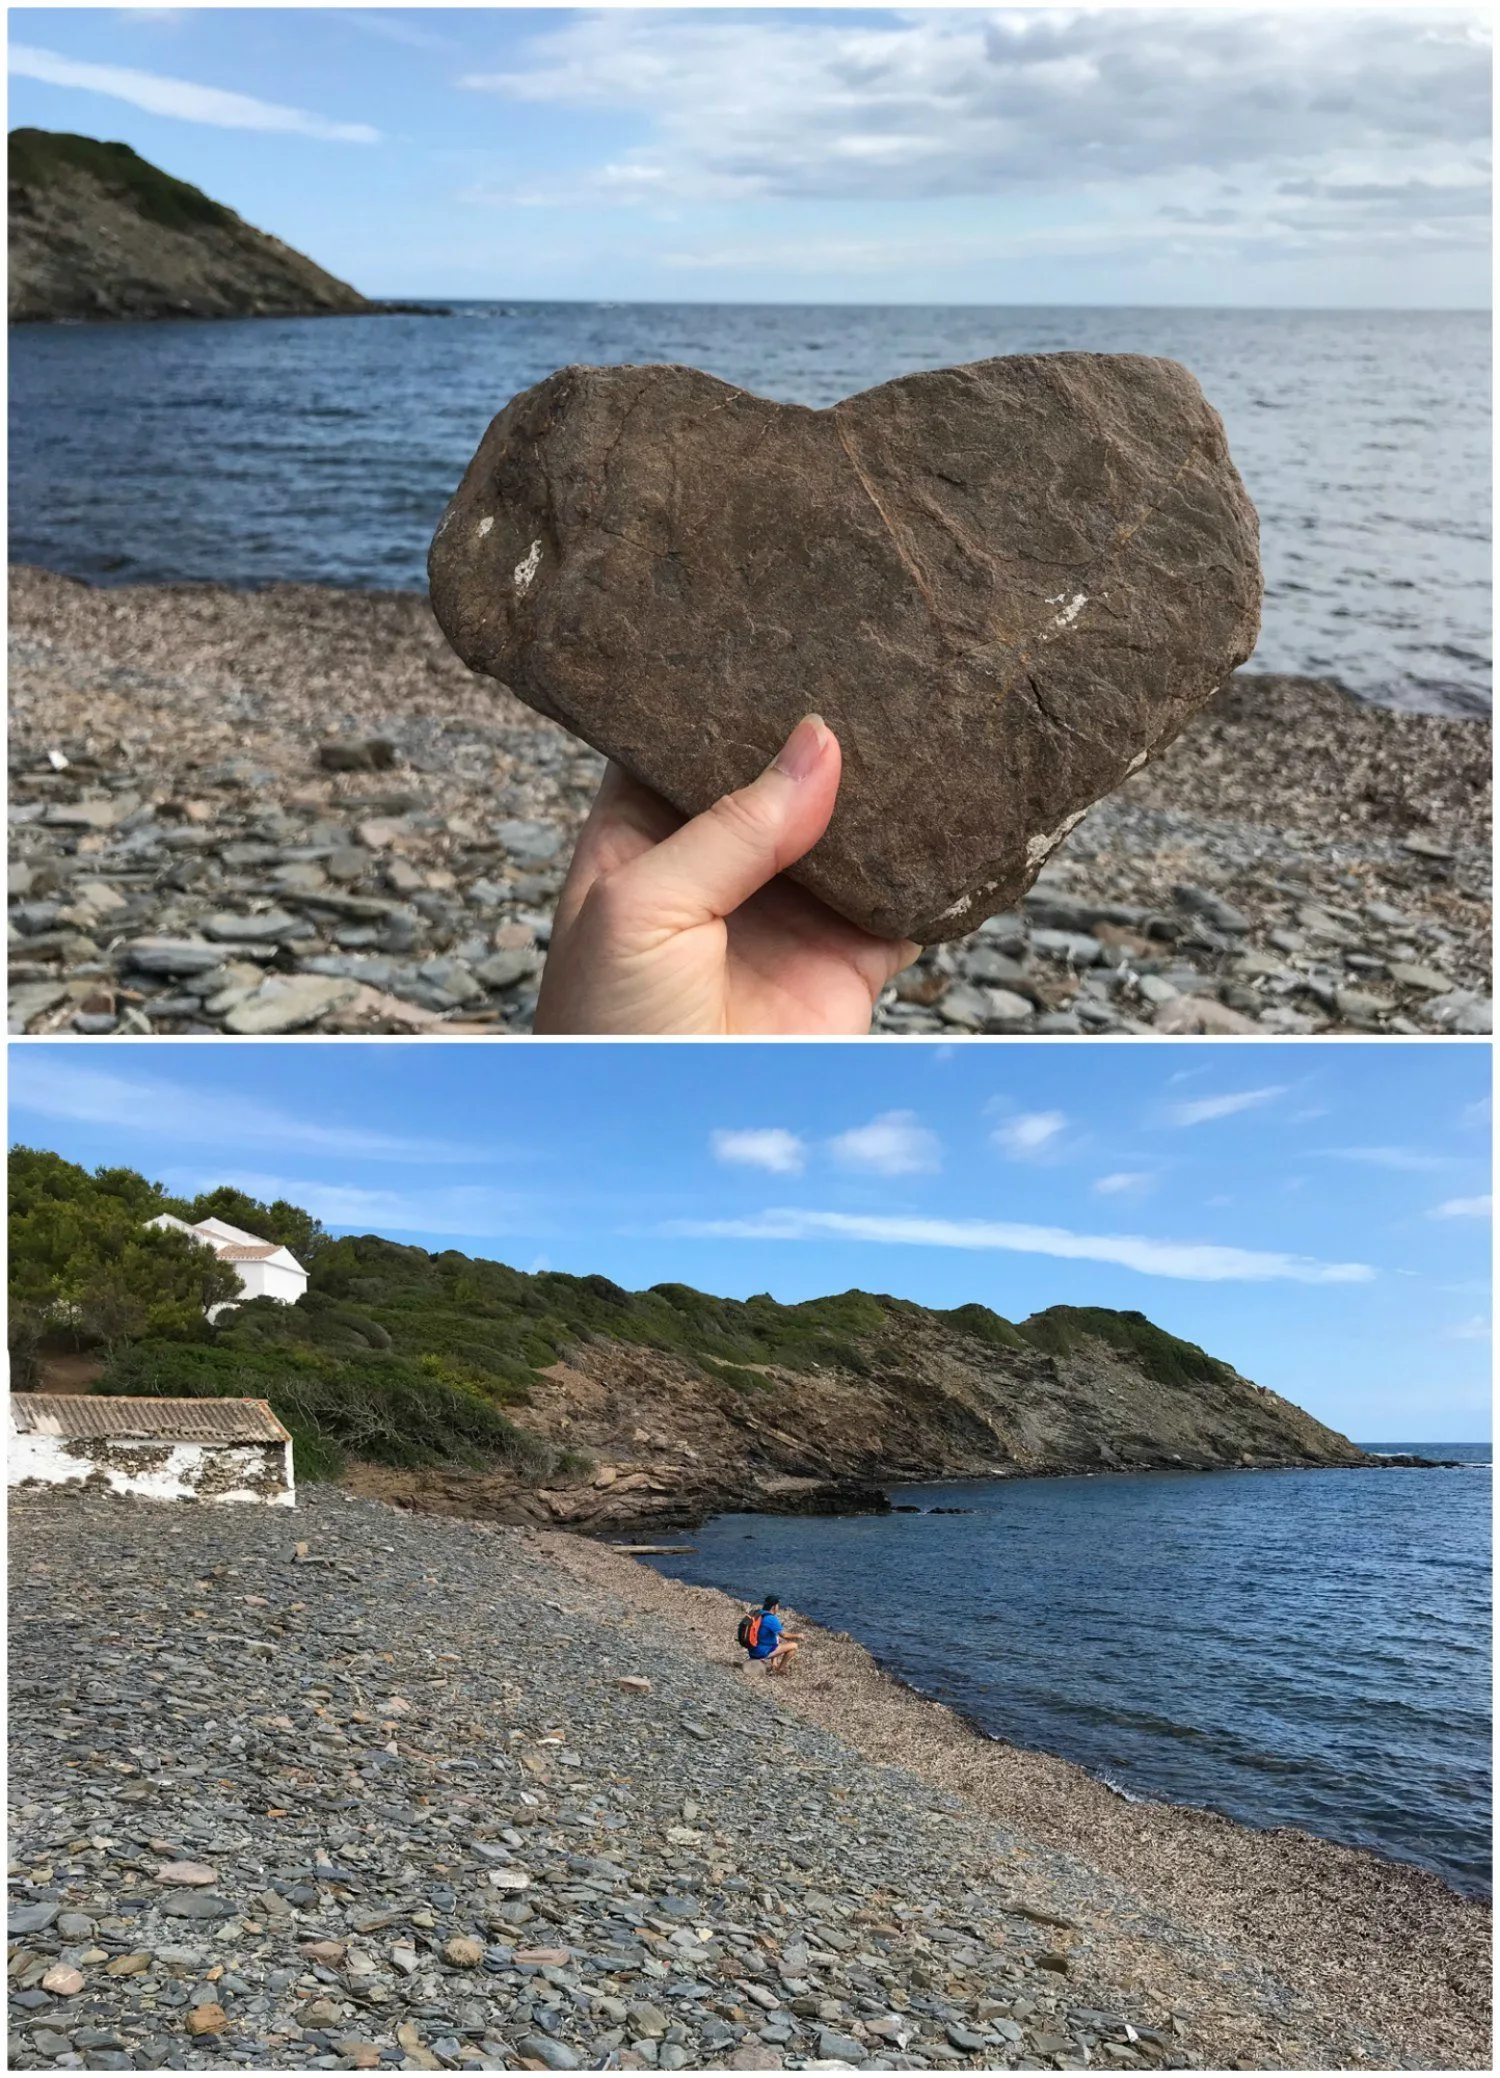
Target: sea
(323, 450)
(1287, 1648)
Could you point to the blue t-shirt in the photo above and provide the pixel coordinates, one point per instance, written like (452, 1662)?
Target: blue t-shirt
(768, 1636)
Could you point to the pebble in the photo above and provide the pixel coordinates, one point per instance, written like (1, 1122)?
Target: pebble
(357, 1921)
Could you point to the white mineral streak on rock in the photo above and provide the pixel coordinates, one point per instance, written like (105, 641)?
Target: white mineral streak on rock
(528, 566)
(1071, 611)
(483, 528)
(967, 901)
(1039, 848)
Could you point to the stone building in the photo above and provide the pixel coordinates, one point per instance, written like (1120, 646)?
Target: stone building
(161, 1450)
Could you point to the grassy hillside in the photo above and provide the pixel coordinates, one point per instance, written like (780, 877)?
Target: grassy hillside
(38, 158)
(99, 234)
(407, 1358)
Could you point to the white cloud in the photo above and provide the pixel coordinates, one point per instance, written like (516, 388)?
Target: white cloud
(892, 1145)
(1199, 1261)
(46, 1086)
(1475, 1329)
(392, 27)
(1123, 1180)
(761, 1147)
(1028, 1134)
(1199, 1110)
(1308, 129)
(1463, 1208)
(182, 98)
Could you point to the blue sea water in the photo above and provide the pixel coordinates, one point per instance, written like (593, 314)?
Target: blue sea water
(1298, 1648)
(324, 450)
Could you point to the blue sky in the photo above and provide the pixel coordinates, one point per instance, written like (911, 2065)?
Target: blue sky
(1317, 1214)
(1308, 157)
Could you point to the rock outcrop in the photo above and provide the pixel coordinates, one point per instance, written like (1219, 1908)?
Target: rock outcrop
(1005, 586)
(96, 231)
(665, 1439)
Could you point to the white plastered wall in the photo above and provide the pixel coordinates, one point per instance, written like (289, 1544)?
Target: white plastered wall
(176, 1472)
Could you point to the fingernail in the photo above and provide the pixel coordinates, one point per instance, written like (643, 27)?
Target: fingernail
(803, 749)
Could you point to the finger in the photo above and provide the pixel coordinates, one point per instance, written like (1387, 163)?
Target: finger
(626, 820)
(719, 859)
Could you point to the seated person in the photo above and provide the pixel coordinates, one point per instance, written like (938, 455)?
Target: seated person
(765, 1639)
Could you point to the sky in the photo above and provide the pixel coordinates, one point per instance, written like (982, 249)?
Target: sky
(1316, 1214)
(1304, 157)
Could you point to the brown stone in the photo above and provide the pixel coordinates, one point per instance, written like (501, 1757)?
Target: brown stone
(1004, 586)
(463, 1953)
(328, 1952)
(63, 1981)
(187, 1872)
(207, 2020)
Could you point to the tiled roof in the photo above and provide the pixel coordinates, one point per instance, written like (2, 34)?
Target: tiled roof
(76, 1416)
(244, 1251)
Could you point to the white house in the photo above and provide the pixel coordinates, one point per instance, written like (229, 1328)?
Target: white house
(265, 1269)
(160, 1450)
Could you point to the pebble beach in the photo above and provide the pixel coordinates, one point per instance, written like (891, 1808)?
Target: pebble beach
(294, 810)
(356, 1788)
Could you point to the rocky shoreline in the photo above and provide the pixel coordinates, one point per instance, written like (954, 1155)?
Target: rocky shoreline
(295, 809)
(379, 1790)
(650, 1500)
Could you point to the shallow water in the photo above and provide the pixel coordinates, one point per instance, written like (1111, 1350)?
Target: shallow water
(1289, 1648)
(324, 450)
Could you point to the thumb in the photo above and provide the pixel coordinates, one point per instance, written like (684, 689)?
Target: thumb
(719, 859)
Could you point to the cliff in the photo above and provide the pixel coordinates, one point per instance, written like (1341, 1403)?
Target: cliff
(662, 1438)
(96, 231)
(465, 1385)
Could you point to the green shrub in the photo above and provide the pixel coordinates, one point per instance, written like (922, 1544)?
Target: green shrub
(985, 1326)
(735, 1375)
(1161, 1356)
(384, 1408)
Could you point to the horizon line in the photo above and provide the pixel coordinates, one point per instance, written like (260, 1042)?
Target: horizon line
(782, 303)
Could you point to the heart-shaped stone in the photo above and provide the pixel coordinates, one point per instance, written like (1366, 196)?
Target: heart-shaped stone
(1004, 586)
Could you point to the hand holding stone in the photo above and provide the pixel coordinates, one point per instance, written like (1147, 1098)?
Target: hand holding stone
(1005, 585)
(673, 926)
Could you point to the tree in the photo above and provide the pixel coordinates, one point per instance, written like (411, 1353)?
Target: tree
(87, 1269)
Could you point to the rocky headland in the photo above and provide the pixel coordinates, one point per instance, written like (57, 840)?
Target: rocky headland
(361, 1789)
(466, 1386)
(97, 232)
(659, 1439)
(295, 809)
